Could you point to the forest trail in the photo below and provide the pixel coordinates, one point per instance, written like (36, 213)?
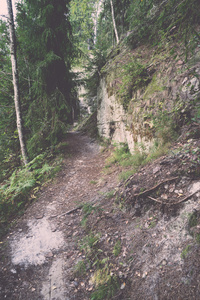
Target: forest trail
(39, 249)
(140, 238)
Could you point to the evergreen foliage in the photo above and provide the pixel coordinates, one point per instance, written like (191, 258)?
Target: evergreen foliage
(155, 20)
(45, 50)
(82, 14)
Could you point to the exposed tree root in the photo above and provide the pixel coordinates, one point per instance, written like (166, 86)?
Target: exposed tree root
(174, 203)
(154, 187)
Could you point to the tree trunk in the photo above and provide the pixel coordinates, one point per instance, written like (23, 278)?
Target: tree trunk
(16, 81)
(114, 24)
(95, 18)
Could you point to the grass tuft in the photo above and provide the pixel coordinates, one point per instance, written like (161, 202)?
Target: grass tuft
(122, 156)
(117, 248)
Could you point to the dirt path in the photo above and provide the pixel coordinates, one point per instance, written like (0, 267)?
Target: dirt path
(41, 245)
(142, 242)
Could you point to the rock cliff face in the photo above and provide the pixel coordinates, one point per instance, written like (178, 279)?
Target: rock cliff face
(168, 97)
(112, 118)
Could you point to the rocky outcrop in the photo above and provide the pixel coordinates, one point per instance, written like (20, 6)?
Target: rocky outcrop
(112, 119)
(168, 99)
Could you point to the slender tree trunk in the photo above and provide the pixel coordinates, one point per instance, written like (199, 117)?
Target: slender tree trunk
(16, 81)
(114, 24)
(95, 18)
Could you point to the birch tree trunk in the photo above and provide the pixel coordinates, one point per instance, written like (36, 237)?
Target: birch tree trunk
(16, 81)
(114, 24)
(98, 10)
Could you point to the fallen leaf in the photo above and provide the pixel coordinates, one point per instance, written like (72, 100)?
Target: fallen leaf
(138, 274)
(144, 275)
(123, 286)
(124, 252)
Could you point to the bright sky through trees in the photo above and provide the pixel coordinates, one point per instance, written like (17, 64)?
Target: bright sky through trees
(3, 7)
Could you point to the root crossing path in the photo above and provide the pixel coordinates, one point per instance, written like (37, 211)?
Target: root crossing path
(38, 251)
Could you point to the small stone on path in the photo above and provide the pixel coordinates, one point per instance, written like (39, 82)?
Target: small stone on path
(39, 216)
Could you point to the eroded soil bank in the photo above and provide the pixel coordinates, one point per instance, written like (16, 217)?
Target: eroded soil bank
(136, 240)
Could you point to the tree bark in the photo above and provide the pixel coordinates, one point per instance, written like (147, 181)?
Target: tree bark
(16, 81)
(95, 18)
(114, 24)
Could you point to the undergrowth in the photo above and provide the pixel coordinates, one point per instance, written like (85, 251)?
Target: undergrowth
(108, 288)
(131, 162)
(103, 278)
(88, 244)
(21, 187)
(103, 272)
(87, 210)
(185, 252)
(80, 268)
(117, 248)
(134, 76)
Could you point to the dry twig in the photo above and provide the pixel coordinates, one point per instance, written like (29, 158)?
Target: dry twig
(67, 212)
